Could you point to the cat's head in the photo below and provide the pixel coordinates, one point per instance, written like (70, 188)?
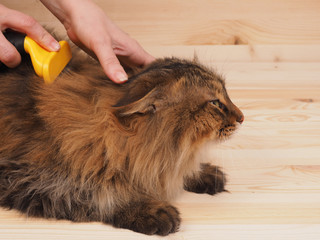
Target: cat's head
(181, 98)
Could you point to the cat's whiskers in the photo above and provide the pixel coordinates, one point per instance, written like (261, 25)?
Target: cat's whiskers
(130, 157)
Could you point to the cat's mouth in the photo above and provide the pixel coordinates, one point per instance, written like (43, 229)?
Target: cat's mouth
(226, 131)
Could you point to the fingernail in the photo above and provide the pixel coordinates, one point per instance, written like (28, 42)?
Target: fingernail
(55, 46)
(121, 77)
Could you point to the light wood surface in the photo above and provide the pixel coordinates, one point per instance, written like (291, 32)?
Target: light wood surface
(269, 53)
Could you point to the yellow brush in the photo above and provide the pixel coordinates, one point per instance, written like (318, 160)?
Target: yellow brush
(46, 64)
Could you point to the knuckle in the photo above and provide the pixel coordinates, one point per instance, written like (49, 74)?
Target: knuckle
(109, 61)
(104, 51)
(29, 22)
(8, 57)
(97, 44)
(131, 43)
(44, 37)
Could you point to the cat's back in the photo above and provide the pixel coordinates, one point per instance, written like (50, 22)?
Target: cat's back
(32, 112)
(17, 104)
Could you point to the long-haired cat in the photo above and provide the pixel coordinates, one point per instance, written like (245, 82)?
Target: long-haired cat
(87, 149)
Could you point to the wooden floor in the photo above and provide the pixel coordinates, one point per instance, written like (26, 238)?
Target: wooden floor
(272, 162)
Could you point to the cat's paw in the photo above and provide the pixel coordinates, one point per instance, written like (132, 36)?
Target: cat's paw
(150, 218)
(211, 180)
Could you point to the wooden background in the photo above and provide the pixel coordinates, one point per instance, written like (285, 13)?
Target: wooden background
(269, 53)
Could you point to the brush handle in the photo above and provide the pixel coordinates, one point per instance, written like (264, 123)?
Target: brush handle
(17, 40)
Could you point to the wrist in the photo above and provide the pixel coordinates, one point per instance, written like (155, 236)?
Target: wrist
(62, 9)
(65, 9)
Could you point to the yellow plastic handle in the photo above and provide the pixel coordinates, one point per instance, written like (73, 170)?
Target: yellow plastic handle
(56, 62)
(47, 65)
(37, 54)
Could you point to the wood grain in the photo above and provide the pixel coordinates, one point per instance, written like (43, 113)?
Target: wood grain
(204, 22)
(269, 53)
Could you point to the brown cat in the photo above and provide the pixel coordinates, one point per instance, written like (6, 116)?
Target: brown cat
(86, 149)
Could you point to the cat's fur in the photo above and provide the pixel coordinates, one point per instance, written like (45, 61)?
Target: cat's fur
(87, 149)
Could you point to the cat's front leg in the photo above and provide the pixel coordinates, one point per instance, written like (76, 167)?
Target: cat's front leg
(210, 180)
(148, 217)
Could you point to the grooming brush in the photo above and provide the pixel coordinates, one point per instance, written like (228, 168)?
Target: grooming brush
(46, 64)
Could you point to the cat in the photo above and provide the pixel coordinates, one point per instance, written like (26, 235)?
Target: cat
(87, 149)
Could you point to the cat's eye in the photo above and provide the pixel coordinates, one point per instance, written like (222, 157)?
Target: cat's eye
(218, 104)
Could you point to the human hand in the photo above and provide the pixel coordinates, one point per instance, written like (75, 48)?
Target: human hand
(89, 28)
(20, 22)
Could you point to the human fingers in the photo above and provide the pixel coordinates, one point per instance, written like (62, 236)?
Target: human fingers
(28, 25)
(9, 55)
(109, 61)
(132, 54)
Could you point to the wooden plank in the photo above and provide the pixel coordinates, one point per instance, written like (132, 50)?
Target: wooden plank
(252, 53)
(215, 22)
(65, 230)
(272, 162)
(204, 22)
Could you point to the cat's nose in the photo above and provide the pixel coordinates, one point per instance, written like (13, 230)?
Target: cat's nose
(240, 118)
(237, 114)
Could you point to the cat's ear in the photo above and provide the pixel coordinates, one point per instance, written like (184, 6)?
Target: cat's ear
(195, 57)
(150, 103)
